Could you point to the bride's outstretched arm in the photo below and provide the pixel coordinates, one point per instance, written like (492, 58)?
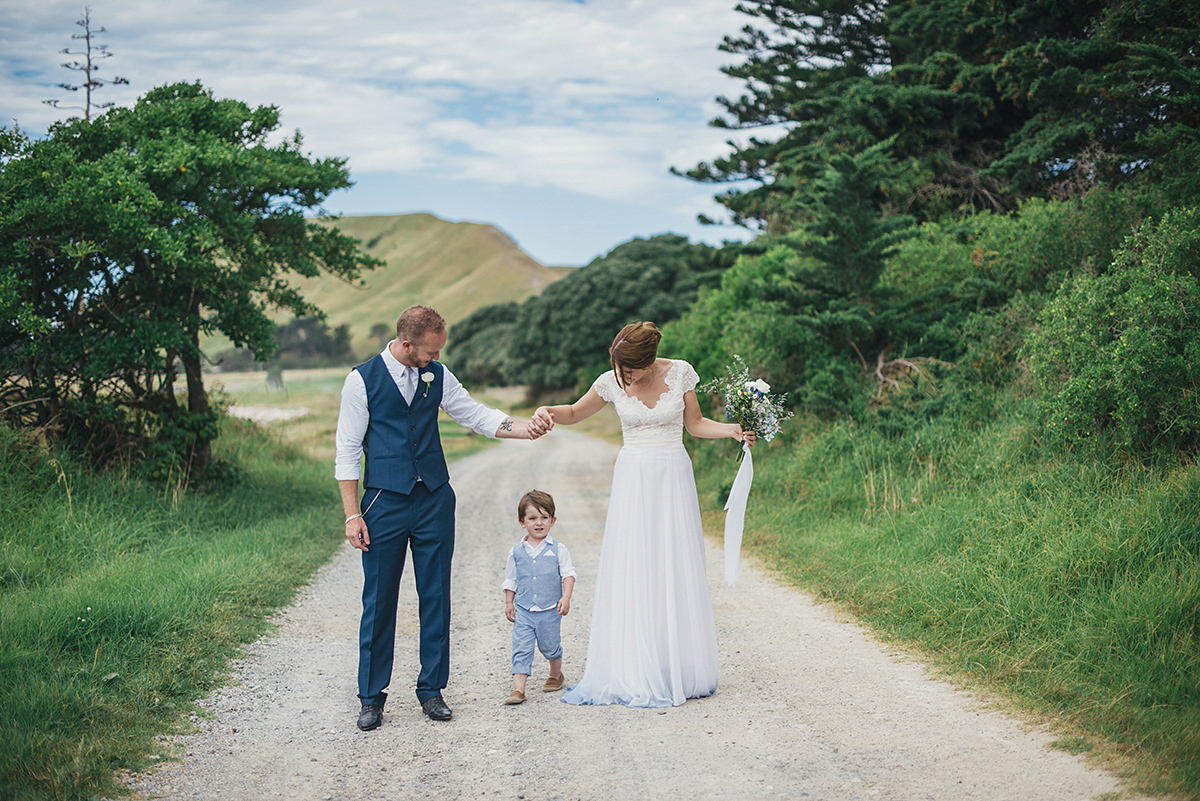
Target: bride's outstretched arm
(700, 426)
(569, 414)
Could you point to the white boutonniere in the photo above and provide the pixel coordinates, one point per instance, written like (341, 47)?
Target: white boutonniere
(427, 377)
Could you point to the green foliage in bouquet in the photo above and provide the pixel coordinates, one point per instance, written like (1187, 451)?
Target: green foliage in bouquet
(749, 402)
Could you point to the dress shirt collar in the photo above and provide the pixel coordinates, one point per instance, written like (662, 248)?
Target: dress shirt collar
(393, 364)
(534, 551)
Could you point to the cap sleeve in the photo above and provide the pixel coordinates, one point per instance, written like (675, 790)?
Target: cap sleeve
(606, 385)
(688, 379)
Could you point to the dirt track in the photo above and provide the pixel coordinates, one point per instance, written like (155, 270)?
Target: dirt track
(808, 705)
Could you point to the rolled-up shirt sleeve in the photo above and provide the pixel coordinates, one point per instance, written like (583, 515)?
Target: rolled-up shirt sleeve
(510, 573)
(465, 410)
(353, 418)
(565, 567)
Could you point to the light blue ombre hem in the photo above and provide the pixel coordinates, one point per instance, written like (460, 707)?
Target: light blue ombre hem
(580, 697)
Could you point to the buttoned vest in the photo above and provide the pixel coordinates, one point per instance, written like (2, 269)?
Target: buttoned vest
(402, 443)
(538, 580)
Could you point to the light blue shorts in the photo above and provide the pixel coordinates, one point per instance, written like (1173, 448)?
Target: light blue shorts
(543, 628)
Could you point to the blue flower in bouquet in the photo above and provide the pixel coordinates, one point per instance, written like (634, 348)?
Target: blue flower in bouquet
(749, 402)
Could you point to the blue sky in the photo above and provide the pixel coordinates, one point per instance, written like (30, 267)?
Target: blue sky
(555, 120)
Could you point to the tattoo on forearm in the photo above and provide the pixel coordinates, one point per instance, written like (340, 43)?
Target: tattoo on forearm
(506, 425)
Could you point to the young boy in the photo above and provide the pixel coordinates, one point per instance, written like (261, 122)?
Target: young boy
(538, 581)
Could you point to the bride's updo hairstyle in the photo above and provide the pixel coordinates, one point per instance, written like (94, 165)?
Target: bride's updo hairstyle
(634, 348)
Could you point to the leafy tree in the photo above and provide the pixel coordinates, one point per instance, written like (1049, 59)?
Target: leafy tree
(382, 333)
(126, 238)
(480, 344)
(984, 103)
(823, 349)
(887, 114)
(88, 66)
(560, 338)
(309, 341)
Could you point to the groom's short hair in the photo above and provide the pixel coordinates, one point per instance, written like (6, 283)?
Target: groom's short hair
(417, 321)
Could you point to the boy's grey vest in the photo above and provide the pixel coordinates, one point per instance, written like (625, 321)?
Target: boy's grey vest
(538, 580)
(402, 442)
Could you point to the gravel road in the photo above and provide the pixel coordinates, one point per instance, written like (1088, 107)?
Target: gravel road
(809, 706)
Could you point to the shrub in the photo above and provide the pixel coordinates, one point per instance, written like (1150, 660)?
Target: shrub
(1118, 354)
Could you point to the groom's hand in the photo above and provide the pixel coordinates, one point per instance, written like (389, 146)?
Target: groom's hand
(542, 422)
(356, 534)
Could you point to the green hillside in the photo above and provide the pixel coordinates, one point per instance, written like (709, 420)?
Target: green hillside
(455, 267)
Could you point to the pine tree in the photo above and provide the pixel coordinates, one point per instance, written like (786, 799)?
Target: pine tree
(985, 102)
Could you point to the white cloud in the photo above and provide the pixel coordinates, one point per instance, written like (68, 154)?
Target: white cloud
(597, 98)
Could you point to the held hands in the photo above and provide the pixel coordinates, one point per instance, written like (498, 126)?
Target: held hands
(541, 423)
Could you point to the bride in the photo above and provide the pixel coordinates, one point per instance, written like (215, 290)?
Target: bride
(653, 641)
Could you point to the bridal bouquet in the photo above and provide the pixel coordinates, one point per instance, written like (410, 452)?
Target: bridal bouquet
(749, 402)
(751, 405)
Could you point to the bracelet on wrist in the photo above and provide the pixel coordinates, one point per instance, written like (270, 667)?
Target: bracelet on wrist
(352, 517)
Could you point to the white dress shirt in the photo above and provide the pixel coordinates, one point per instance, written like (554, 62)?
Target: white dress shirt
(565, 566)
(354, 416)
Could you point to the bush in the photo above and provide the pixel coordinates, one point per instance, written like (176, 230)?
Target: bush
(480, 342)
(1033, 250)
(1118, 354)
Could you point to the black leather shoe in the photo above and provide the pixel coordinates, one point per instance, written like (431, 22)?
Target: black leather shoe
(370, 717)
(436, 708)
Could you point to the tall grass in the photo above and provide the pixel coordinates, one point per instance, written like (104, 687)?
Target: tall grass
(121, 603)
(1069, 584)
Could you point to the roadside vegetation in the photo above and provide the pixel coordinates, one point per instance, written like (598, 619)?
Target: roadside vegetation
(1068, 586)
(977, 279)
(121, 601)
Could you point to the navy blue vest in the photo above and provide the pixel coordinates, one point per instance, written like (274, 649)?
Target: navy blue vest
(402, 442)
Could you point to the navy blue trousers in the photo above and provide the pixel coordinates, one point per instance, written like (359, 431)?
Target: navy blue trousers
(423, 522)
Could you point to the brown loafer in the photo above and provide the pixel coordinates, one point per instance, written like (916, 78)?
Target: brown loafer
(553, 684)
(517, 697)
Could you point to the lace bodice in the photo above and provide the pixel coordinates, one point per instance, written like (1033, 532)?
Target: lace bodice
(642, 426)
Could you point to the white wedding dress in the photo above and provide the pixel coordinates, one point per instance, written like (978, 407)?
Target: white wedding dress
(653, 641)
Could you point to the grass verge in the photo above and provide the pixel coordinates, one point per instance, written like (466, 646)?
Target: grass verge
(1070, 586)
(121, 603)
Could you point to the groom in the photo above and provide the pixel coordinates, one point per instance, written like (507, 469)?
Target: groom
(390, 412)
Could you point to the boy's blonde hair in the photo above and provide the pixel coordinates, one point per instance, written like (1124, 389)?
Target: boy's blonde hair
(539, 499)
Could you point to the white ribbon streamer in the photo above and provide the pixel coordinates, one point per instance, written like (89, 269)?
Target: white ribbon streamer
(735, 516)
